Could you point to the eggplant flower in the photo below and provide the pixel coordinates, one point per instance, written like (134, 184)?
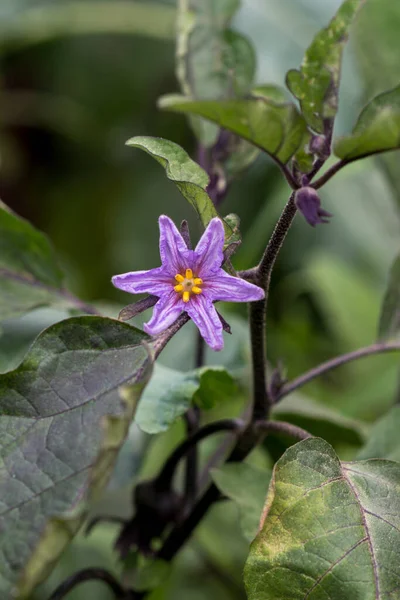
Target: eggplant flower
(189, 281)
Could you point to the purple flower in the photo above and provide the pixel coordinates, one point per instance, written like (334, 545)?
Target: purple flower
(190, 281)
(309, 204)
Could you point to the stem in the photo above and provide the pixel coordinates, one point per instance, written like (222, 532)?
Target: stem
(330, 173)
(282, 427)
(160, 341)
(262, 402)
(379, 347)
(87, 575)
(169, 467)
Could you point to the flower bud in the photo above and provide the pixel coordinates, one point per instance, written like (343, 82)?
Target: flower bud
(309, 204)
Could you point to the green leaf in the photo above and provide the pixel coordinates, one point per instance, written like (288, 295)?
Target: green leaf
(62, 423)
(144, 574)
(389, 322)
(316, 84)
(29, 274)
(190, 179)
(247, 486)
(273, 126)
(383, 439)
(377, 129)
(212, 61)
(42, 23)
(170, 393)
(319, 420)
(330, 529)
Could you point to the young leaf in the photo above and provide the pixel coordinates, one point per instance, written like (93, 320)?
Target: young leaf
(272, 125)
(247, 486)
(377, 129)
(190, 179)
(383, 439)
(29, 274)
(316, 84)
(58, 444)
(389, 322)
(170, 393)
(329, 529)
(212, 61)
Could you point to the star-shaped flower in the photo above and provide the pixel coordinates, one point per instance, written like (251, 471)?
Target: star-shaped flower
(189, 281)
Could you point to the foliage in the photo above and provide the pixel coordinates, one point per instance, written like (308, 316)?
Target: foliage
(182, 455)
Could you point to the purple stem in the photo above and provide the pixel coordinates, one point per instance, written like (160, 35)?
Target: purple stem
(379, 347)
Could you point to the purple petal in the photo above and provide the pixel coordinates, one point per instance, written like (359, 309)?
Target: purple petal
(165, 312)
(174, 253)
(209, 250)
(232, 289)
(154, 281)
(309, 203)
(204, 315)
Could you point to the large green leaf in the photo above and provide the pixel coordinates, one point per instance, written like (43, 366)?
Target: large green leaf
(212, 61)
(190, 179)
(170, 393)
(330, 529)
(389, 322)
(247, 486)
(316, 84)
(42, 23)
(29, 274)
(62, 423)
(377, 129)
(264, 119)
(383, 439)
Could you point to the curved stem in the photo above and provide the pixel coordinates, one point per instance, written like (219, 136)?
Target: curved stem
(282, 427)
(379, 347)
(168, 470)
(87, 575)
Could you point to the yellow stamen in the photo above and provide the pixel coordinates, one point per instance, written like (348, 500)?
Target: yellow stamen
(196, 290)
(189, 274)
(179, 278)
(178, 288)
(186, 296)
(197, 281)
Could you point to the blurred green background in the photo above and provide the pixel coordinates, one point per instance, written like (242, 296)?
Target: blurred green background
(76, 81)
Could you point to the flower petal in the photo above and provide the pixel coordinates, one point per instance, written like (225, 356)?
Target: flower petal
(154, 281)
(209, 250)
(173, 249)
(223, 286)
(204, 315)
(165, 312)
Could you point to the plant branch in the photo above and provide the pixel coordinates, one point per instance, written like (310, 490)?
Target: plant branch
(329, 174)
(378, 348)
(262, 402)
(168, 470)
(282, 427)
(160, 341)
(87, 575)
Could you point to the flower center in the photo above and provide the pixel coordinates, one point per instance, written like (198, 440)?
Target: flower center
(188, 284)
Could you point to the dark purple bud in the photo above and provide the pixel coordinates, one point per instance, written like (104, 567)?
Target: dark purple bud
(309, 204)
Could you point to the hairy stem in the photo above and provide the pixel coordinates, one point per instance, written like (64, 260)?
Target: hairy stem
(378, 348)
(262, 402)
